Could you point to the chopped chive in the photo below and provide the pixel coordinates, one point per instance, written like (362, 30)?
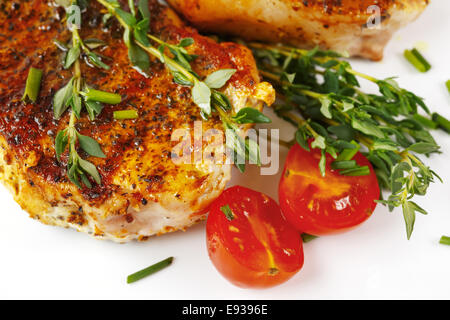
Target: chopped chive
(417, 60)
(149, 271)
(420, 57)
(348, 154)
(442, 122)
(228, 212)
(126, 114)
(308, 237)
(445, 240)
(348, 164)
(425, 121)
(102, 96)
(448, 85)
(33, 85)
(356, 172)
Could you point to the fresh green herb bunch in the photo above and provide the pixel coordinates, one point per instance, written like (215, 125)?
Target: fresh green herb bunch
(340, 118)
(77, 95)
(205, 92)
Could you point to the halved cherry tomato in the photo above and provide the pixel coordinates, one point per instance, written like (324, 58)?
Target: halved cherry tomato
(320, 205)
(249, 241)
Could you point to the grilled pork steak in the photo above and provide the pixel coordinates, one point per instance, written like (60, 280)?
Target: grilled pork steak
(340, 25)
(143, 192)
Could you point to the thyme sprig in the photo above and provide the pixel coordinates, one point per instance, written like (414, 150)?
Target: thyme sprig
(136, 25)
(320, 94)
(79, 47)
(176, 58)
(77, 95)
(138, 40)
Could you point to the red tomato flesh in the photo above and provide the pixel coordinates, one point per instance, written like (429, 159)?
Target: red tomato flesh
(320, 205)
(257, 248)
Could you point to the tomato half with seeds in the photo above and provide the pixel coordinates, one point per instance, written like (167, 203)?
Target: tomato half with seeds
(320, 205)
(250, 242)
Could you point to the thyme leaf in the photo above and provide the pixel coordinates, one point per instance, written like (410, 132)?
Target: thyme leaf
(77, 95)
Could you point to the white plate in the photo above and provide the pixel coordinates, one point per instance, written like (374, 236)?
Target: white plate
(373, 261)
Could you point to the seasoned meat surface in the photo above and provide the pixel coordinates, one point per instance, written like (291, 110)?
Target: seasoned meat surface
(143, 192)
(340, 25)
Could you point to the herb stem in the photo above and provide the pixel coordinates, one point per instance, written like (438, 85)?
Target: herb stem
(156, 39)
(287, 144)
(112, 10)
(271, 76)
(224, 117)
(108, 6)
(170, 62)
(286, 51)
(76, 40)
(73, 120)
(362, 75)
(77, 69)
(132, 7)
(368, 143)
(72, 136)
(76, 95)
(299, 122)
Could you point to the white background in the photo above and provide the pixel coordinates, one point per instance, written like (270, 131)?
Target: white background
(373, 261)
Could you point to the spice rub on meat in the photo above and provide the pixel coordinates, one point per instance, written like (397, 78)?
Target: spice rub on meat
(143, 193)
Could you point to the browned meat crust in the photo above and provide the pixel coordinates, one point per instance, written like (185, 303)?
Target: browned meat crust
(137, 172)
(332, 24)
